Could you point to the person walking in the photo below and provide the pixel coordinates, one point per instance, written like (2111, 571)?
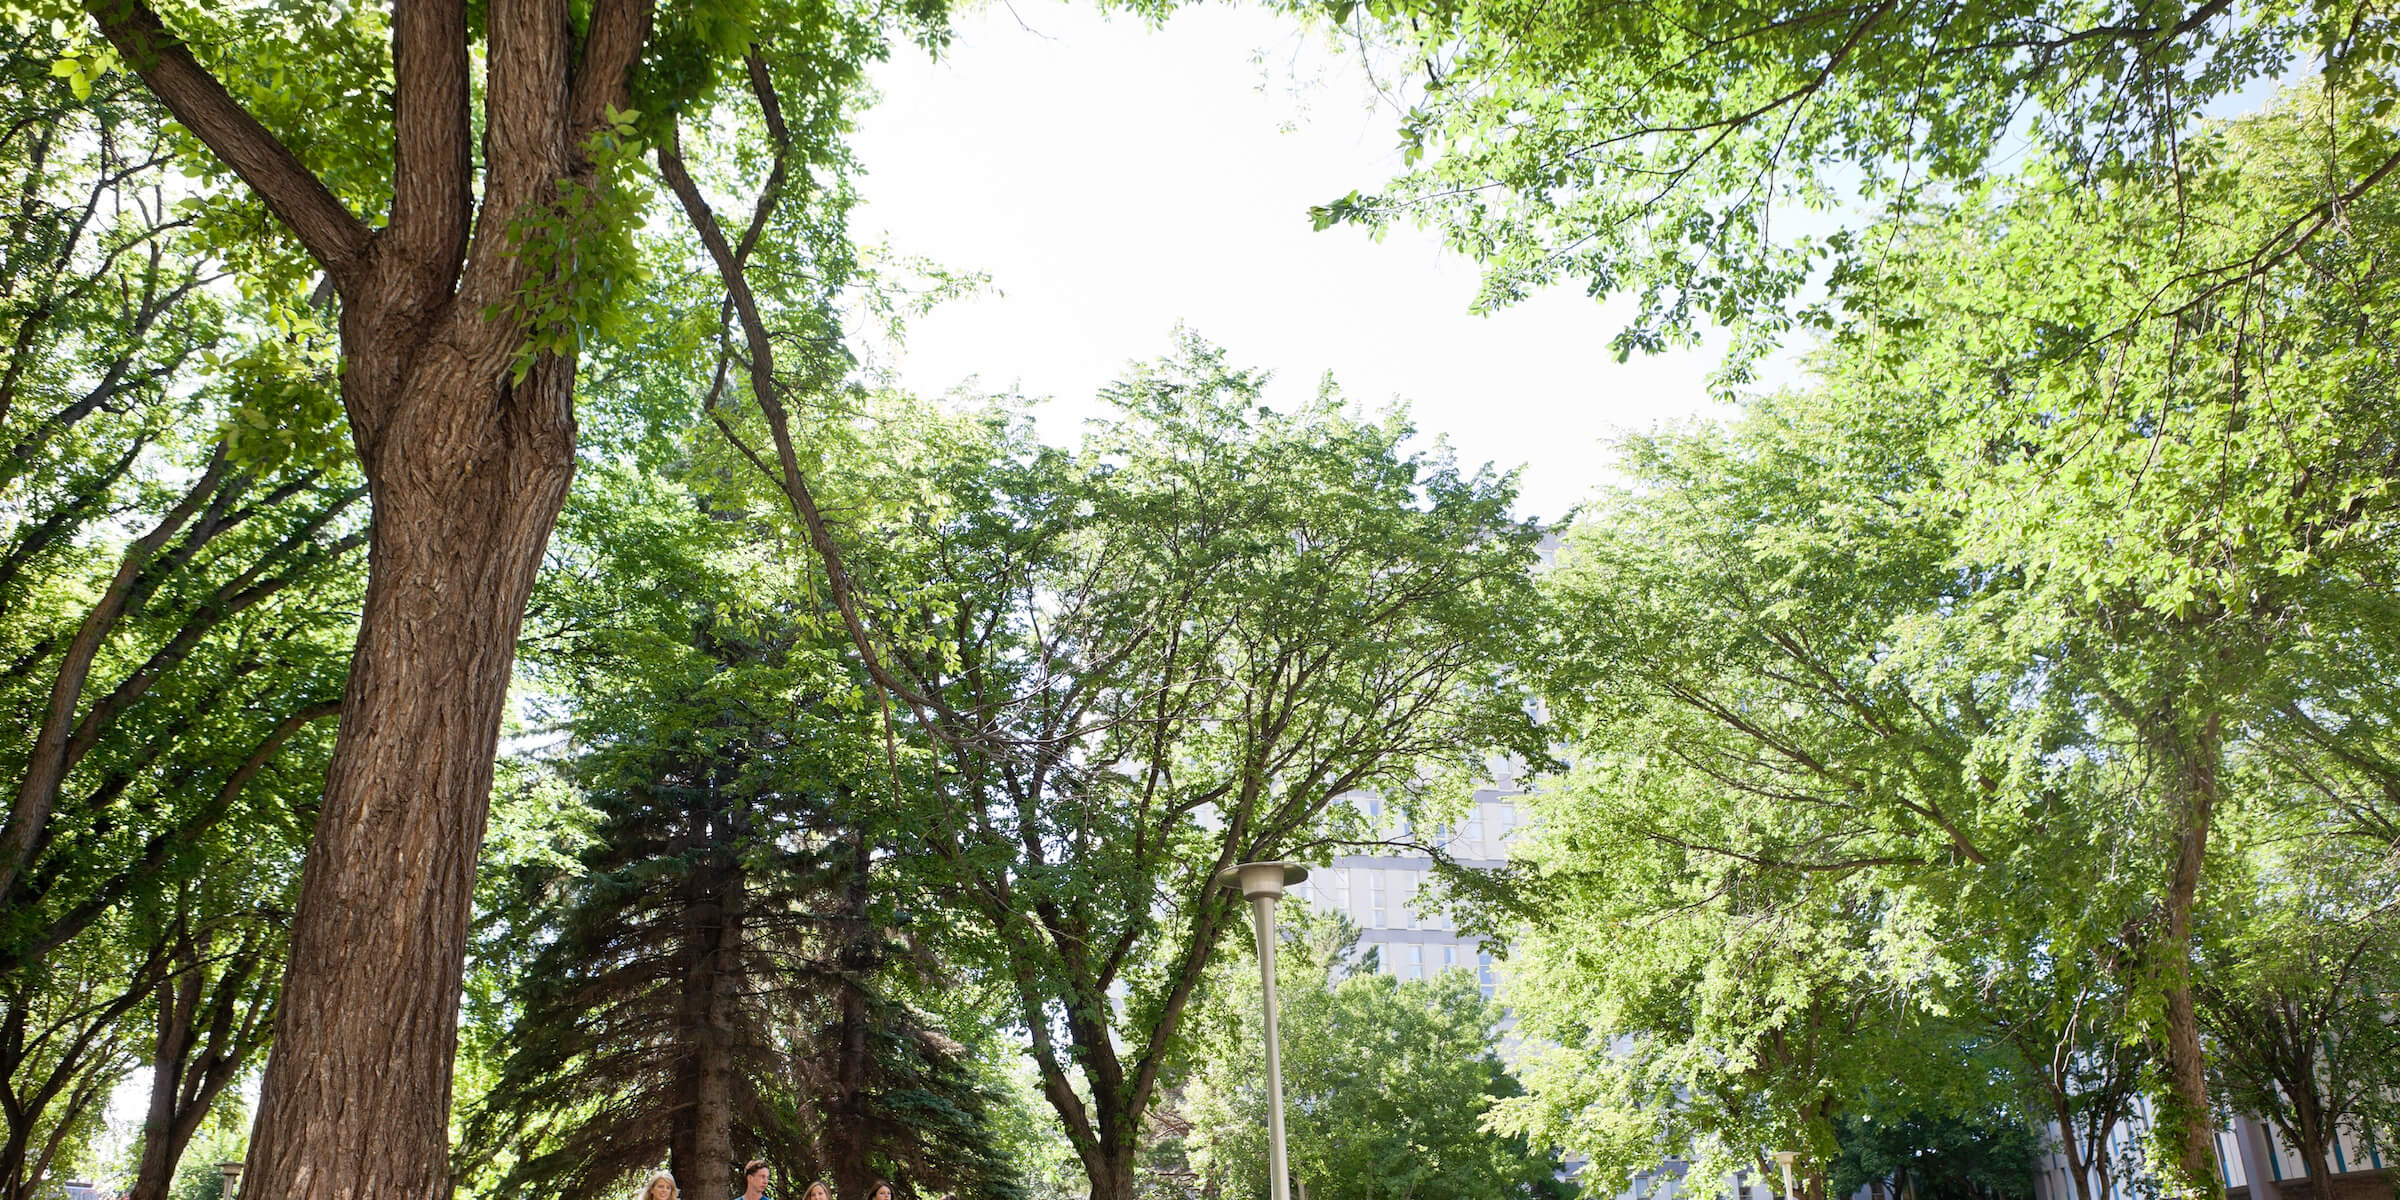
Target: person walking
(660, 1186)
(817, 1191)
(881, 1191)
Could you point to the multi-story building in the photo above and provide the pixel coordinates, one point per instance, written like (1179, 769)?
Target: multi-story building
(2254, 1161)
(1380, 892)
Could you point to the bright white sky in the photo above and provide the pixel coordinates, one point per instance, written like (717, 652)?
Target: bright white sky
(1113, 180)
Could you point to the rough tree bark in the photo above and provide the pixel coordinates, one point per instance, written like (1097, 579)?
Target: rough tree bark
(700, 1145)
(467, 464)
(848, 1141)
(2193, 784)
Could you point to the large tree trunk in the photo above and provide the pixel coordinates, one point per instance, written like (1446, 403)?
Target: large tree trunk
(1115, 1119)
(467, 460)
(1103, 1132)
(847, 1150)
(356, 1101)
(1112, 1176)
(2311, 1137)
(701, 1143)
(848, 1141)
(2063, 1110)
(2193, 784)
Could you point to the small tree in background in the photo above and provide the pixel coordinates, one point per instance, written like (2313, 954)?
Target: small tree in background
(1386, 1084)
(1984, 1156)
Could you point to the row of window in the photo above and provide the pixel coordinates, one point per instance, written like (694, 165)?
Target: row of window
(1374, 897)
(1466, 840)
(1416, 960)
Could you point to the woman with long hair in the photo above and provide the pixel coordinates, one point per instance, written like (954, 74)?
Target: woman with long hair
(660, 1186)
(817, 1191)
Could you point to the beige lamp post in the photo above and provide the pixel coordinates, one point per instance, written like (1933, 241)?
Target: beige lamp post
(233, 1178)
(1262, 884)
(1785, 1158)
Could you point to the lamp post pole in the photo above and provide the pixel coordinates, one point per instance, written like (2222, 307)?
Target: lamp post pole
(1785, 1158)
(1262, 884)
(233, 1178)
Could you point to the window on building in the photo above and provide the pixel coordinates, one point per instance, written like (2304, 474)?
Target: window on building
(1483, 973)
(1449, 957)
(1474, 834)
(1415, 964)
(1377, 901)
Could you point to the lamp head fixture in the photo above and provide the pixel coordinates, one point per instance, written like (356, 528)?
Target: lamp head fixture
(1257, 879)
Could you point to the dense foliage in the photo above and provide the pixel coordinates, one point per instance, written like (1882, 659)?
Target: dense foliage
(1729, 162)
(717, 977)
(1986, 745)
(1946, 701)
(1187, 645)
(1944, 1157)
(1386, 1083)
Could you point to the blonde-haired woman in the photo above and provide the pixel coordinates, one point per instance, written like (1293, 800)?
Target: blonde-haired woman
(661, 1186)
(817, 1191)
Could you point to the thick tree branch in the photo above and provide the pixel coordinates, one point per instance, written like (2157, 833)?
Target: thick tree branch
(432, 141)
(335, 237)
(163, 846)
(786, 470)
(525, 148)
(46, 763)
(611, 47)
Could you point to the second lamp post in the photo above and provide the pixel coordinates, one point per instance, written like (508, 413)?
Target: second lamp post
(1262, 884)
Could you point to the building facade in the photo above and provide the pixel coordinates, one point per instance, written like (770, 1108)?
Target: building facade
(1381, 892)
(2254, 1160)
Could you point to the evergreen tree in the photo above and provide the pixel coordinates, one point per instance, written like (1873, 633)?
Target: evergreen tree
(715, 977)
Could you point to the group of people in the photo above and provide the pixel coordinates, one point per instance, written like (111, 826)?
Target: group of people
(755, 1178)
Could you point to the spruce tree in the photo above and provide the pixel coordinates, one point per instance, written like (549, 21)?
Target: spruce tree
(717, 975)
